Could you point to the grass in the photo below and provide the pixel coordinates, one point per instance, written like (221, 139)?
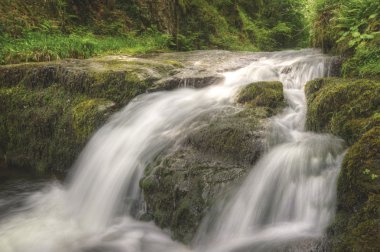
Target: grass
(40, 30)
(40, 46)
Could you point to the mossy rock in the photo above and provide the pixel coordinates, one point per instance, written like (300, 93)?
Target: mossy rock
(350, 108)
(232, 136)
(183, 183)
(49, 110)
(90, 115)
(44, 129)
(344, 107)
(356, 227)
(262, 94)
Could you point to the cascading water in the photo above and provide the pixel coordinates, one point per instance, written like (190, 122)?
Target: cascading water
(288, 195)
(290, 192)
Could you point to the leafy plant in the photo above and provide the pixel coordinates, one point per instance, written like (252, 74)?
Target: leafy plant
(350, 28)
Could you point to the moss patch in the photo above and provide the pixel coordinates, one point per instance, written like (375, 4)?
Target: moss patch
(356, 226)
(49, 110)
(344, 107)
(89, 115)
(350, 108)
(37, 125)
(263, 94)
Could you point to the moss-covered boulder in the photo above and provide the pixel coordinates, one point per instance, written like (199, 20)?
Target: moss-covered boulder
(357, 224)
(45, 129)
(350, 109)
(117, 78)
(344, 107)
(263, 94)
(182, 183)
(49, 110)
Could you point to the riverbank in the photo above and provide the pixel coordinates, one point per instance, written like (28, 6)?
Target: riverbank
(38, 30)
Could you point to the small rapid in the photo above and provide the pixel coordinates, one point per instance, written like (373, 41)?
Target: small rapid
(288, 195)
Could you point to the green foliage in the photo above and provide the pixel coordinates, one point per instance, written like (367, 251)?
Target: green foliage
(240, 25)
(38, 30)
(350, 28)
(37, 46)
(364, 63)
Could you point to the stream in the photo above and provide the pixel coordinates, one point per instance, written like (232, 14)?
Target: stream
(289, 195)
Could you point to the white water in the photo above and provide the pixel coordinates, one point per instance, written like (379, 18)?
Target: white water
(289, 194)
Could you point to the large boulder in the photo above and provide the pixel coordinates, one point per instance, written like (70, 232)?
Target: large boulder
(185, 181)
(49, 110)
(351, 109)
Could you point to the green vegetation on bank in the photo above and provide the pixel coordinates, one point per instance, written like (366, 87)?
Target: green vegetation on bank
(39, 30)
(241, 24)
(351, 29)
(42, 46)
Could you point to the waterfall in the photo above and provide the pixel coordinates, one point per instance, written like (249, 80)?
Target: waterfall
(289, 194)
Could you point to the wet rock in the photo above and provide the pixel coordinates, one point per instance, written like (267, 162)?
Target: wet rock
(49, 110)
(184, 182)
(263, 94)
(357, 223)
(184, 81)
(350, 109)
(344, 107)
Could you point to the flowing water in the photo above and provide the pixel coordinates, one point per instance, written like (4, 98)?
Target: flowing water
(289, 194)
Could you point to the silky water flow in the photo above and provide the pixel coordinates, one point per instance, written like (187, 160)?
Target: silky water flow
(289, 194)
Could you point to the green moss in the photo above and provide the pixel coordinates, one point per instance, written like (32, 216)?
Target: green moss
(46, 118)
(358, 215)
(30, 118)
(179, 209)
(148, 184)
(344, 107)
(187, 217)
(263, 94)
(174, 63)
(90, 115)
(350, 108)
(12, 75)
(361, 161)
